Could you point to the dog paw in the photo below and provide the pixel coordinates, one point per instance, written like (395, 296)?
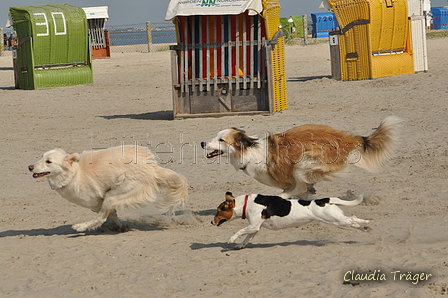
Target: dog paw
(80, 227)
(367, 229)
(239, 246)
(311, 189)
(231, 240)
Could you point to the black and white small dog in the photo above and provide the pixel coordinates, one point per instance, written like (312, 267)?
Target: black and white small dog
(275, 213)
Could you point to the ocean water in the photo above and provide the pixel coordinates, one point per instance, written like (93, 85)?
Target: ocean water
(122, 37)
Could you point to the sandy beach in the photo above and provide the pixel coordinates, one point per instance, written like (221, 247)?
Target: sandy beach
(130, 102)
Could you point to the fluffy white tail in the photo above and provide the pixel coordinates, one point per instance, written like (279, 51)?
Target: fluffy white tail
(175, 193)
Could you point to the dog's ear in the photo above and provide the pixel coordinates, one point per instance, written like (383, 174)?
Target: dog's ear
(229, 196)
(245, 140)
(71, 158)
(228, 205)
(230, 201)
(239, 130)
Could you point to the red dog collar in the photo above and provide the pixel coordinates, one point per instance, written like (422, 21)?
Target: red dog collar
(245, 206)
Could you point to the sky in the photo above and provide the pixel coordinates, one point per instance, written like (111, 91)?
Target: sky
(124, 12)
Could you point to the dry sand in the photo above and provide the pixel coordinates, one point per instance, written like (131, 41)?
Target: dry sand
(131, 101)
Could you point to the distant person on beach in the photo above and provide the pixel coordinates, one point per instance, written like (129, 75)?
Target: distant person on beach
(5, 41)
(10, 42)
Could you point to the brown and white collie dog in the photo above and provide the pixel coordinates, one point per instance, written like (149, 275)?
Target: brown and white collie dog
(298, 158)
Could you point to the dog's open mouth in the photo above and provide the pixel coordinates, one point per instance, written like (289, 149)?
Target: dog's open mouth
(215, 153)
(221, 222)
(38, 175)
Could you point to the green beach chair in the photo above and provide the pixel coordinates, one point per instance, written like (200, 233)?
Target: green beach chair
(53, 46)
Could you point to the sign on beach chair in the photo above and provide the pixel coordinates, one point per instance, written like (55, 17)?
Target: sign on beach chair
(53, 46)
(229, 59)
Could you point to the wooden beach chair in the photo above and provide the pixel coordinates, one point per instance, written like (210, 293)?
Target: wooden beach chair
(229, 64)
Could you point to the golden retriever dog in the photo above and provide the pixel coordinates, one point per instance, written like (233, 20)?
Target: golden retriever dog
(298, 158)
(106, 180)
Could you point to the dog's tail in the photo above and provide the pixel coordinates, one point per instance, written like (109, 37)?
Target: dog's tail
(380, 145)
(338, 201)
(177, 194)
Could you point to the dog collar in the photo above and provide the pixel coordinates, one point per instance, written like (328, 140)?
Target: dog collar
(245, 206)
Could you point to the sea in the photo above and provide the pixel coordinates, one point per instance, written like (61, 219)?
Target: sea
(130, 37)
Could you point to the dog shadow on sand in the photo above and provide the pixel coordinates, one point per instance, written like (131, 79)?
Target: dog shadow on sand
(61, 230)
(145, 222)
(67, 230)
(230, 247)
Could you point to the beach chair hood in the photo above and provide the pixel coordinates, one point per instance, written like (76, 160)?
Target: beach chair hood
(212, 7)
